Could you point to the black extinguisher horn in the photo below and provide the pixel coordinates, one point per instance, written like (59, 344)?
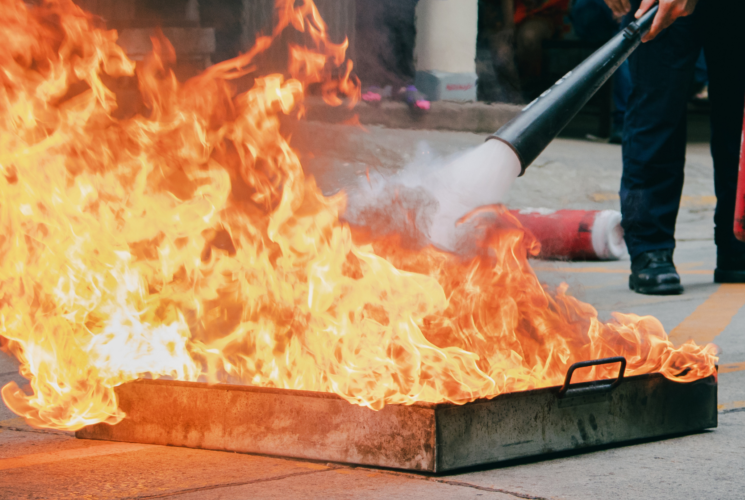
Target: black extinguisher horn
(542, 120)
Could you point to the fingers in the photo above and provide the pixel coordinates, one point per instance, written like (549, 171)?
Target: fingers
(645, 6)
(658, 25)
(665, 17)
(625, 7)
(669, 11)
(619, 7)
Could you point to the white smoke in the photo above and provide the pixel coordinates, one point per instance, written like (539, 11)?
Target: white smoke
(424, 201)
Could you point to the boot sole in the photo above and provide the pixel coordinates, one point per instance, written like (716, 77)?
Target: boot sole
(723, 276)
(668, 289)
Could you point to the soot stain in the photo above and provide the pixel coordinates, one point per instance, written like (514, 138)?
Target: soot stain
(582, 429)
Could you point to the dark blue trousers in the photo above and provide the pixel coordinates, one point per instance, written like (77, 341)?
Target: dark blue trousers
(593, 21)
(654, 143)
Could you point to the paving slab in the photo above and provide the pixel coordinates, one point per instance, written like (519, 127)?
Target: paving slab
(358, 484)
(706, 465)
(54, 466)
(732, 393)
(605, 284)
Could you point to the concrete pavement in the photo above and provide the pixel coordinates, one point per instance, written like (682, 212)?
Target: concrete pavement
(570, 174)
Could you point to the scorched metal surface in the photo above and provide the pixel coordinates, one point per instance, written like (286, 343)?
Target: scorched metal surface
(423, 437)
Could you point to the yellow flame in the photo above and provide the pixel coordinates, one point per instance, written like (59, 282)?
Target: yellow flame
(185, 241)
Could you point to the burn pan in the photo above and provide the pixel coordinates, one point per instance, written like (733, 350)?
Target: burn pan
(432, 438)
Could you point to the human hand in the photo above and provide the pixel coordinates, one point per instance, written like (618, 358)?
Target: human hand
(669, 11)
(619, 7)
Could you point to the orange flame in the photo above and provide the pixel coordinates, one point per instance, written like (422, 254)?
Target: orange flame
(186, 242)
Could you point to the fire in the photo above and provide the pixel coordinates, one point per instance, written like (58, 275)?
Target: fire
(185, 241)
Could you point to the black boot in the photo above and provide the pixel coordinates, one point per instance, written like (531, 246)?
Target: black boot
(653, 273)
(730, 267)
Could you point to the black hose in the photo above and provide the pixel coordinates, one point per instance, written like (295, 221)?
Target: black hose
(542, 120)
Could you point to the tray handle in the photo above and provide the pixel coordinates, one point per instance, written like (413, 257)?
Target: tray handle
(584, 364)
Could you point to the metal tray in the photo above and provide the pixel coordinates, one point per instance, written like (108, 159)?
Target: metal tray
(423, 437)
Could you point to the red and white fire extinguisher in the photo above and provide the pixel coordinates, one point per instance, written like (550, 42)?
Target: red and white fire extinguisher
(740, 203)
(575, 234)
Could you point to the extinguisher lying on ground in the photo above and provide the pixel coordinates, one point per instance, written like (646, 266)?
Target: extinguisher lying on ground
(575, 234)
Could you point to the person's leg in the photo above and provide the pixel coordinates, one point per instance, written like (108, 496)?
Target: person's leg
(593, 21)
(701, 75)
(654, 143)
(224, 16)
(621, 92)
(509, 87)
(529, 38)
(655, 137)
(385, 36)
(401, 24)
(724, 45)
(497, 33)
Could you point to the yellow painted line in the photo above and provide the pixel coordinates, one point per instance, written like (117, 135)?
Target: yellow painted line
(712, 317)
(731, 406)
(78, 453)
(687, 265)
(605, 270)
(732, 367)
(698, 201)
(685, 201)
(14, 422)
(604, 196)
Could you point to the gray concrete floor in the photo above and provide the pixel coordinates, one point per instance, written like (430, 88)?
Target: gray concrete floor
(570, 174)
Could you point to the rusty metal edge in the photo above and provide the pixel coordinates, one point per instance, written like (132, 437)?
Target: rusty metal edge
(434, 431)
(262, 390)
(329, 395)
(542, 423)
(294, 424)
